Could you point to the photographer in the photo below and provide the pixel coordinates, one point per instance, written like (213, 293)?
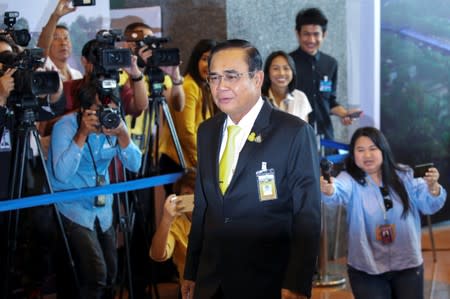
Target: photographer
(16, 97)
(9, 56)
(56, 42)
(81, 150)
(132, 94)
(170, 79)
(173, 81)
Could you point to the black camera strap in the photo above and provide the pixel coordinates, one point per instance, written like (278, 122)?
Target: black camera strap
(99, 179)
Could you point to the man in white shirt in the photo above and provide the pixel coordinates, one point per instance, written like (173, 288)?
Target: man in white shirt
(55, 41)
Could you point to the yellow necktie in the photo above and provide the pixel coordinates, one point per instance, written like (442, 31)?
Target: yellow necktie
(226, 162)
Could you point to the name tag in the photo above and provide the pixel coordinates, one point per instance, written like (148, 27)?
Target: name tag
(325, 85)
(100, 200)
(5, 142)
(267, 188)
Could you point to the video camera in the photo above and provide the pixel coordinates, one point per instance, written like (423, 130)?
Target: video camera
(160, 56)
(21, 37)
(28, 83)
(107, 59)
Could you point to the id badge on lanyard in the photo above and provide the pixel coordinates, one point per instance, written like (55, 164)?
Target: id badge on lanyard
(265, 179)
(100, 200)
(325, 85)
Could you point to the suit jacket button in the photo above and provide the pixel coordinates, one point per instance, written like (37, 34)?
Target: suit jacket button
(227, 220)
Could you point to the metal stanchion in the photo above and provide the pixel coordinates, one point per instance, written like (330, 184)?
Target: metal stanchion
(337, 234)
(325, 279)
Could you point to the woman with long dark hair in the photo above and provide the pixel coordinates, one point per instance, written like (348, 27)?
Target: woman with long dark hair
(279, 85)
(199, 106)
(384, 202)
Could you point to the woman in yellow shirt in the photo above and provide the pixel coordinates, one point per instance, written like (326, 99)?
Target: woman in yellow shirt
(199, 106)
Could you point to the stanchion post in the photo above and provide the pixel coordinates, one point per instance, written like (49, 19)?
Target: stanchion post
(325, 279)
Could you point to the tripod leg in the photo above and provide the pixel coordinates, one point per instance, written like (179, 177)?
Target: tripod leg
(173, 132)
(57, 215)
(13, 216)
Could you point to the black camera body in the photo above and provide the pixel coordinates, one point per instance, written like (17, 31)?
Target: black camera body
(107, 60)
(106, 57)
(109, 117)
(83, 2)
(164, 57)
(21, 37)
(113, 59)
(160, 56)
(28, 83)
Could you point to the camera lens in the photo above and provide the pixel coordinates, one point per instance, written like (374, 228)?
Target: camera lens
(109, 117)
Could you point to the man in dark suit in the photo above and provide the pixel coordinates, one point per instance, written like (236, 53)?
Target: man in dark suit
(256, 222)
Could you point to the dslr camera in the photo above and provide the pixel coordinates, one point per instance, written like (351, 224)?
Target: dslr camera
(160, 56)
(21, 37)
(109, 117)
(28, 83)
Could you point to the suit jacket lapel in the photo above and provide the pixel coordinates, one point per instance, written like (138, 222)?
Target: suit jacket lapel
(216, 140)
(260, 127)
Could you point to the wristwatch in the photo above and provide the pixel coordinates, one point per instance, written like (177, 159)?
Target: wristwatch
(178, 82)
(138, 78)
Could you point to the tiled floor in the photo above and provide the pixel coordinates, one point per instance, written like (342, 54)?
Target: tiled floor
(437, 275)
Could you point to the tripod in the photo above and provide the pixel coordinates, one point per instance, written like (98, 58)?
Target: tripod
(25, 130)
(142, 217)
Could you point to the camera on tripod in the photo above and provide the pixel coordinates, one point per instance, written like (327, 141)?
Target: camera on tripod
(21, 37)
(160, 56)
(28, 83)
(108, 59)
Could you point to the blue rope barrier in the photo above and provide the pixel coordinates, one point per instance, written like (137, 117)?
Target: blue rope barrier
(337, 158)
(334, 144)
(63, 196)
(337, 145)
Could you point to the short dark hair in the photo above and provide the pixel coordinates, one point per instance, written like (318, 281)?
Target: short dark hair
(311, 16)
(389, 167)
(8, 40)
(87, 92)
(266, 83)
(133, 26)
(254, 59)
(186, 180)
(88, 50)
(62, 26)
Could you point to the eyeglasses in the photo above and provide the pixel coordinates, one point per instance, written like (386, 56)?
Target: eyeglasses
(231, 77)
(388, 203)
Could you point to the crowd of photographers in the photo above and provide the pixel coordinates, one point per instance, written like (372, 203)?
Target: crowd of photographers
(52, 110)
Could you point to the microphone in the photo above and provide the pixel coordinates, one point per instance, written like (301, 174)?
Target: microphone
(326, 166)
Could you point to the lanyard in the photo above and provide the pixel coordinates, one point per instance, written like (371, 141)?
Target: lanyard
(381, 204)
(97, 177)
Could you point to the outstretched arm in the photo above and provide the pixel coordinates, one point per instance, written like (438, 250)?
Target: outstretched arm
(45, 38)
(160, 251)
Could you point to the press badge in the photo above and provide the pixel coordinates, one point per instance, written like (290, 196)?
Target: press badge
(5, 141)
(325, 85)
(385, 233)
(100, 200)
(265, 178)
